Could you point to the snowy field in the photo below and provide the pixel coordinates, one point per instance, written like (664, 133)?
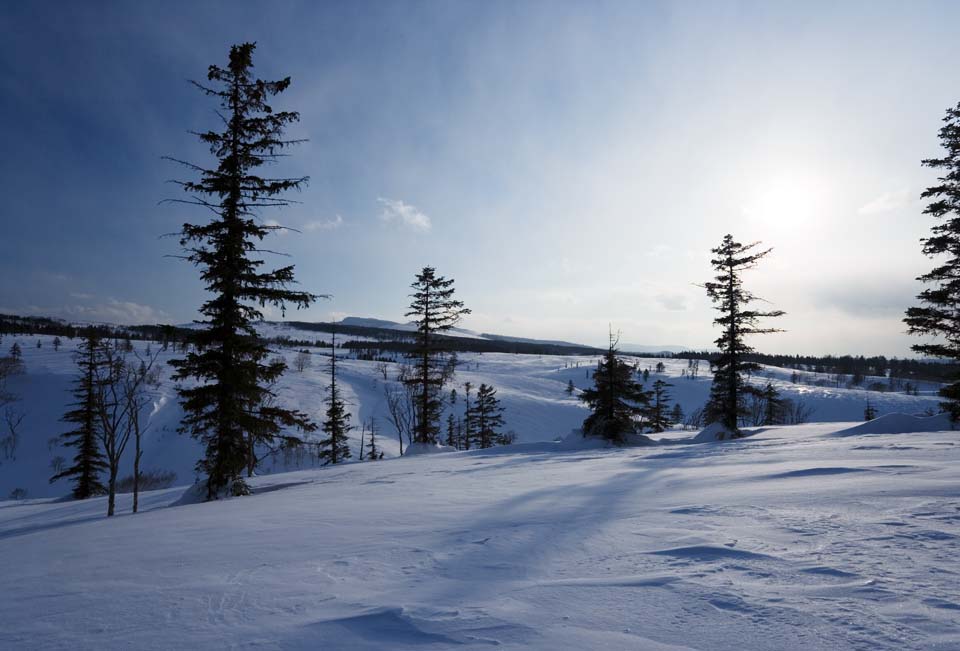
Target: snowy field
(532, 389)
(795, 538)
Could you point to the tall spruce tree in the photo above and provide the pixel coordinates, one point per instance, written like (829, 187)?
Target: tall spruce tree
(231, 400)
(436, 311)
(727, 394)
(939, 312)
(616, 400)
(488, 416)
(335, 448)
(89, 460)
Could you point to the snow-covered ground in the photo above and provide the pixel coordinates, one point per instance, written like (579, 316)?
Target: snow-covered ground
(795, 538)
(532, 388)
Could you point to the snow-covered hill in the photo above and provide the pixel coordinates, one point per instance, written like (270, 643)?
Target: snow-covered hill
(804, 537)
(531, 387)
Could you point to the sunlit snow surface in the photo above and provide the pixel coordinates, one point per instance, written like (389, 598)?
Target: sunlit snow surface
(795, 538)
(822, 536)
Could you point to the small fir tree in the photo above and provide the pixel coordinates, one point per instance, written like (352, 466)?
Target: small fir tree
(488, 416)
(374, 453)
(658, 414)
(774, 406)
(616, 400)
(89, 461)
(335, 448)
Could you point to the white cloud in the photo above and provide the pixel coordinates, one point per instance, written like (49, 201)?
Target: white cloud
(109, 310)
(324, 224)
(886, 202)
(396, 211)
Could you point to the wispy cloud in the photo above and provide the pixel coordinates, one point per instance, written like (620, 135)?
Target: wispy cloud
(886, 202)
(324, 224)
(109, 310)
(396, 211)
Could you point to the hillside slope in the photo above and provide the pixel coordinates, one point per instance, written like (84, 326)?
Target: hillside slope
(531, 387)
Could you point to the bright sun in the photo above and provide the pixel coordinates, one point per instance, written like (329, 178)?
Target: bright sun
(787, 205)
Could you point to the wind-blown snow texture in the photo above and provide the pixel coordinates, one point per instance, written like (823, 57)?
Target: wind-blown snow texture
(790, 539)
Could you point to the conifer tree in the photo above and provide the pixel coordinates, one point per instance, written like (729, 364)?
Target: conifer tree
(335, 448)
(616, 400)
(88, 462)
(488, 416)
(658, 414)
(374, 453)
(774, 408)
(436, 311)
(469, 428)
(870, 412)
(570, 388)
(676, 414)
(727, 394)
(15, 351)
(939, 313)
(452, 432)
(232, 400)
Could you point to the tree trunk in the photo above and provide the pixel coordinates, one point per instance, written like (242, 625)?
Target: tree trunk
(112, 488)
(136, 477)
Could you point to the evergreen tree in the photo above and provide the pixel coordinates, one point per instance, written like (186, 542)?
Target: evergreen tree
(89, 461)
(335, 448)
(436, 311)
(774, 407)
(870, 412)
(729, 389)
(452, 432)
(374, 453)
(232, 401)
(570, 387)
(488, 416)
(469, 428)
(939, 313)
(15, 351)
(616, 400)
(658, 415)
(676, 414)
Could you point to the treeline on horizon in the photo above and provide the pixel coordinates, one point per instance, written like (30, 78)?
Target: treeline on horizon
(857, 367)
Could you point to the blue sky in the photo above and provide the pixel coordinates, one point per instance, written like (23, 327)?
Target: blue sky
(570, 164)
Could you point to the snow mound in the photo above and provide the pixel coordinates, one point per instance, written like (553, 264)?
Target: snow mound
(900, 424)
(416, 449)
(575, 440)
(711, 433)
